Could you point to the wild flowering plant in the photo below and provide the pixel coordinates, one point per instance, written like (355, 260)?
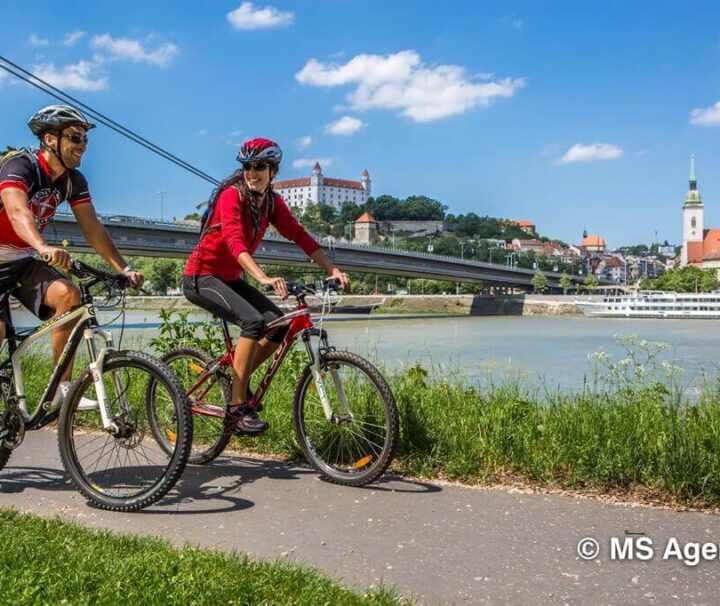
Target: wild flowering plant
(642, 367)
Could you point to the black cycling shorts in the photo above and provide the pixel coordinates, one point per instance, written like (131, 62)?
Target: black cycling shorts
(236, 302)
(29, 280)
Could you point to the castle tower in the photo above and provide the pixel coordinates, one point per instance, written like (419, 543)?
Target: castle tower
(316, 181)
(693, 222)
(366, 181)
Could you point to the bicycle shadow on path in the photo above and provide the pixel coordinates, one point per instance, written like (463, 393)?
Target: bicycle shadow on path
(206, 489)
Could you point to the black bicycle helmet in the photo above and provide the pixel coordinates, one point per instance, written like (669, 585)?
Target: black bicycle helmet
(55, 118)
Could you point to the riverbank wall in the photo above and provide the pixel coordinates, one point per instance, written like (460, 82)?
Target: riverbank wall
(464, 305)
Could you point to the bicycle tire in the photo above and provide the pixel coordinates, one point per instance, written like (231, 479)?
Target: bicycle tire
(119, 365)
(210, 435)
(361, 458)
(5, 452)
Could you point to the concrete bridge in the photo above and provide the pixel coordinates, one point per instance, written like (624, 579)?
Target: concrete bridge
(137, 236)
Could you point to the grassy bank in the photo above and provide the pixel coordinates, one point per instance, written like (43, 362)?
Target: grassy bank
(632, 426)
(52, 562)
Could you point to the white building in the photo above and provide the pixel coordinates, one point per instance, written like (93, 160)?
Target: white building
(320, 189)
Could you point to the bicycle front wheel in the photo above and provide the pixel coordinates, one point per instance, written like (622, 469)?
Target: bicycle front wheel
(357, 444)
(125, 468)
(5, 452)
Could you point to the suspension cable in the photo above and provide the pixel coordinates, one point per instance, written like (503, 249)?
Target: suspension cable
(64, 97)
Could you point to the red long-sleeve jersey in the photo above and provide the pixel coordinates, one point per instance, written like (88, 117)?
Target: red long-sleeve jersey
(217, 252)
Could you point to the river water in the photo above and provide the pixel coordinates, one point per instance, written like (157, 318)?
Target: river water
(551, 351)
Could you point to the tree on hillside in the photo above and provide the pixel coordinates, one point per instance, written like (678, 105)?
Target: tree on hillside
(383, 208)
(422, 208)
(312, 219)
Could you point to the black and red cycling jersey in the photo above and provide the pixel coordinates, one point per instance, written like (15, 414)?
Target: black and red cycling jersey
(45, 196)
(232, 232)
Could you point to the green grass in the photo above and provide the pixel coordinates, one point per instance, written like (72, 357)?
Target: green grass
(631, 428)
(52, 562)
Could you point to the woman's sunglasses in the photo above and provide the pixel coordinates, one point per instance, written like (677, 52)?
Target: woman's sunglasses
(256, 166)
(77, 139)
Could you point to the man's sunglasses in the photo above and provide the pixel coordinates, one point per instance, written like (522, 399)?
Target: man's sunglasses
(77, 139)
(256, 166)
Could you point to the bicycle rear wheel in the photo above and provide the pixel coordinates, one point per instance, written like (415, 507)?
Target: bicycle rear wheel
(358, 443)
(207, 403)
(126, 469)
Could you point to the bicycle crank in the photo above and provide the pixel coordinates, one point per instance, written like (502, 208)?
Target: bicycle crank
(12, 430)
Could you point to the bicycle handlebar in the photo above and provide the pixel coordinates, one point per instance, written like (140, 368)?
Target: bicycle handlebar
(83, 270)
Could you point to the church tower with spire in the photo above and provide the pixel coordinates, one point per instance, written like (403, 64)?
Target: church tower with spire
(693, 222)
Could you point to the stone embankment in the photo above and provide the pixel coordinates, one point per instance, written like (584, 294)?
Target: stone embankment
(465, 305)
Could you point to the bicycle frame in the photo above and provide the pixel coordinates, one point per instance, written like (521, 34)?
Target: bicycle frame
(86, 328)
(301, 326)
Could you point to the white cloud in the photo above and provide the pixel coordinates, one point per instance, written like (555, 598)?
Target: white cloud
(347, 125)
(78, 76)
(709, 116)
(36, 40)
(518, 24)
(133, 50)
(304, 142)
(247, 16)
(72, 38)
(404, 83)
(310, 162)
(591, 153)
(201, 133)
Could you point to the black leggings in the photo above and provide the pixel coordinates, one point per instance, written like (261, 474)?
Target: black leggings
(236, 302)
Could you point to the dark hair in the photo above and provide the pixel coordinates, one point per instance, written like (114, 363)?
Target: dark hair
(237, 180)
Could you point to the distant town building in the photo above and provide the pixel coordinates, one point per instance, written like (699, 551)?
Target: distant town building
(593, 243)
(366, 229)
(527, 226)
(319, 189)
(701, 247)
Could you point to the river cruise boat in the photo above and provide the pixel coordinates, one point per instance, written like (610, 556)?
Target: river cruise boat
(654, 304)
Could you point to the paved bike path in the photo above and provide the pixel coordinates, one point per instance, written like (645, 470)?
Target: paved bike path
(440, 544)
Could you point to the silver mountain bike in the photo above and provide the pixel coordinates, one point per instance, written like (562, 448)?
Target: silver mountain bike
(106, 443)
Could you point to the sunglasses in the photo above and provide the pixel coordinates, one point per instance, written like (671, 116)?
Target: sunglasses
(77, 139)
(256, 166)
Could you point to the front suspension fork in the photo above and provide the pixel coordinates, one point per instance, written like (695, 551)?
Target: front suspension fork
(316, 349)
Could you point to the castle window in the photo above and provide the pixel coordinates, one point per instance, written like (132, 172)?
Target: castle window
(693, 223)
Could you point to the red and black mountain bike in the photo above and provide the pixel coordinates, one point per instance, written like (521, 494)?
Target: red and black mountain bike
(346, 420)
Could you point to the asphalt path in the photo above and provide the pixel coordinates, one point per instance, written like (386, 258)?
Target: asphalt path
(440, 544)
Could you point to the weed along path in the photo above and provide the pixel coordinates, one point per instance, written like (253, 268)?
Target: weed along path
(440, 544)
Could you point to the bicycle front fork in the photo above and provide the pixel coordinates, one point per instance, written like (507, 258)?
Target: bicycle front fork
(316, 347)
(97, 362)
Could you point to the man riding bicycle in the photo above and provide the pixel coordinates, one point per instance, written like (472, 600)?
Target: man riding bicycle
(240, 210)
(32, 186)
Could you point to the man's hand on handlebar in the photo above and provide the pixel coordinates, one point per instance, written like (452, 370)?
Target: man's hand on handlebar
(277, 284)
(56, 257)
(136, 278)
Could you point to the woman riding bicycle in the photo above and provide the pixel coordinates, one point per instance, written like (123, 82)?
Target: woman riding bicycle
(239, 212)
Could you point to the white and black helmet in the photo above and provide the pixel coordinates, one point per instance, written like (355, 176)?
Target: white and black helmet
(55, 118)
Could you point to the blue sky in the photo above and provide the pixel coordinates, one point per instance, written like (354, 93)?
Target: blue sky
(571, 114)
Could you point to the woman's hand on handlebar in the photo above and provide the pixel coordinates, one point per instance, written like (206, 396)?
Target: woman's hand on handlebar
(277, 284)
(56, 257)
(341, 277)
